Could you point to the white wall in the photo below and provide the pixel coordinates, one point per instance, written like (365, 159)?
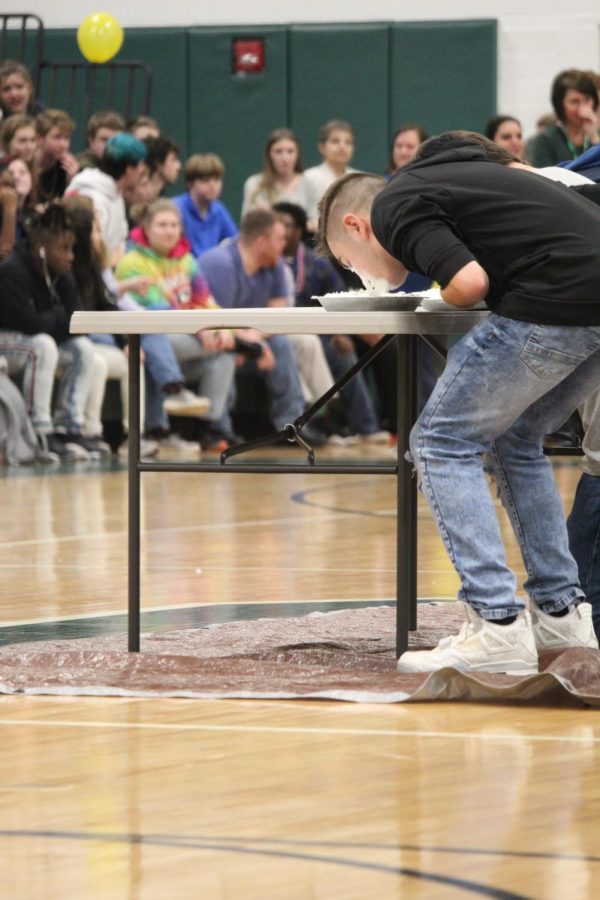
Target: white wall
(534, 42)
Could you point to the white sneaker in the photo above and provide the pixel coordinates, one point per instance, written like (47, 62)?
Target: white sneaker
(560, 632)
(176, 444)
(185, 403)
(480, 646)
(343, 440)
(148, 449)
(377, 437)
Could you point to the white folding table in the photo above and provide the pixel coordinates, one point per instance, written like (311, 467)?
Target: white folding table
(405, 328)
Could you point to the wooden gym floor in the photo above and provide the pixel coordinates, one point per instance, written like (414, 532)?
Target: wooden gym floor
(144, 799)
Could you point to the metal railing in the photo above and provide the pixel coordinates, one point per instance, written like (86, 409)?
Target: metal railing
(125, 86)
(22, 38)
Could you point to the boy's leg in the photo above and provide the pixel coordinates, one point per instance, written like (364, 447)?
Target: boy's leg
(523, 474)
(493, 375)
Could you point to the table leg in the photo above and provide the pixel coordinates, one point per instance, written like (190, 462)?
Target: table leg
(406, 526)
(134, 493)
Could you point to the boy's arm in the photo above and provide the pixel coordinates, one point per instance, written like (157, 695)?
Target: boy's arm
(468, 287)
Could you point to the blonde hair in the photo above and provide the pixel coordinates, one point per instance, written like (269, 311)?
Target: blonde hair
(268, 176)
(203, 165)
(163, 204)
(355, 193)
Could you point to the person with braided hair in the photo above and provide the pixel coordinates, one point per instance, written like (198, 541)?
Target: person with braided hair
(37, 297)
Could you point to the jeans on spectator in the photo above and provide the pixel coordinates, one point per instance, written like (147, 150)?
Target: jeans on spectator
(210, 373)
(358, 403)
(583, 526)
(160, 367)
(506, 384)
(33, 357)
(286, 400)
(77, 368)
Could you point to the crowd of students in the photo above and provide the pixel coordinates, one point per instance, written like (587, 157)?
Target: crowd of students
(94, 230)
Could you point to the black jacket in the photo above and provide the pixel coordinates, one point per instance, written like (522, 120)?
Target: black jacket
(31, 304)
(538, 241)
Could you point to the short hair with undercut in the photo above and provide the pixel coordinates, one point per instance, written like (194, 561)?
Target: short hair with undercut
(255, 223)
(201, 166)
(53, 118)
(105, 118)
(353, 192)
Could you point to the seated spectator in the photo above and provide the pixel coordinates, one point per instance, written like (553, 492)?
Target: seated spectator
(162, 256)
(54, 164)
(143, 127)
(249, 271)
(17, 93)
(313, 277)
(18, 137)
(16, 184)
(166, 389)
(281, 177)
(336, 146)
(506, 131)
(405, 144)
(119, 170)
(575, 100)
(101, 126)
(164, 165)
(206, 221)
(37, 297)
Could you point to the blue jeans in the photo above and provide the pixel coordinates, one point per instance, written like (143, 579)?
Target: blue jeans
(286, 400)
(211, 374)
(160, 368)
(583, 526)
(358, 403)
(506, 384)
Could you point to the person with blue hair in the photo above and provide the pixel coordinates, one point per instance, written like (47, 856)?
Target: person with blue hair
(119, 170)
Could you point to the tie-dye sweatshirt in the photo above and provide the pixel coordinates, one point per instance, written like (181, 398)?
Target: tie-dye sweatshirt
(177, 282)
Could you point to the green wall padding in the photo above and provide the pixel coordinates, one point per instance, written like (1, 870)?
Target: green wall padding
(232, 115)
(341, 72)
(443, 74)
(377, 75)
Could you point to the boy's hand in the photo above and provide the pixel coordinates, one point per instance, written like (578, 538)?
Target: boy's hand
(468, 287)
(589, 121)
(139, 284)
(9, 199)
(69, 164)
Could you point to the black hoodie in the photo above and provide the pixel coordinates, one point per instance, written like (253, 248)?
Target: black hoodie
(30, 303)
(538, 241)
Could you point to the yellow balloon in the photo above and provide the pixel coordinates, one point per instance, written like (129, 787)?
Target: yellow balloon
(99, 37)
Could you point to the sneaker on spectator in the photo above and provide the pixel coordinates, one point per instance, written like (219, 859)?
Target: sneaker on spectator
(377, 437)
(43, 453)
(174, 443)
(480, 646)
(96, 447)
(344, 440)
(67, 449)
(148, 449)
(575, 629)
(185, 403)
